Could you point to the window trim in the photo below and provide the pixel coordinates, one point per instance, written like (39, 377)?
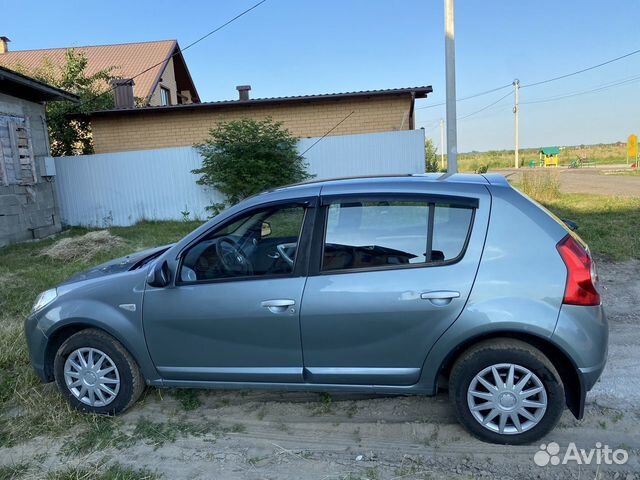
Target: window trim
(317, 254)
(301, 262)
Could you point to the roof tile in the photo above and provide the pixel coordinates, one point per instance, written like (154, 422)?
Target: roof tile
(128, 60)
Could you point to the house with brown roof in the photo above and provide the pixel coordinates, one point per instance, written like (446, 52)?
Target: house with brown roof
(153, 127)
(165, 79)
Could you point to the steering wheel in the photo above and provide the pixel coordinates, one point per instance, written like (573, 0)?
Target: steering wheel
(232, 258)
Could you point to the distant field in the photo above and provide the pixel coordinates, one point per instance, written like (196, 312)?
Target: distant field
(601, 154)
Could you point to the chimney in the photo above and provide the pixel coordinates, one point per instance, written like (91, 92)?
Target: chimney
(243, 92)
(4, 45)
(123, 93)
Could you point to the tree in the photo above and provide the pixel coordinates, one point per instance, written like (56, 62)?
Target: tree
(430, 156)
(72, 136)
(245, 157)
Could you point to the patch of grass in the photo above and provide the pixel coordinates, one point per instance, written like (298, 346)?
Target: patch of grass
(617, 416)
(107, 432)
(609, 224)
(432, 440)
(496, 159)
(102, 472)
(157, 434)
(261, 413)
(101, 433)
(13, 471)
(410, 468)
(541, 186)
(28, 408)
(324, 406)
(189, 399)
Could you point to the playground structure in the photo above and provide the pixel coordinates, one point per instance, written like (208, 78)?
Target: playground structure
(549, 156)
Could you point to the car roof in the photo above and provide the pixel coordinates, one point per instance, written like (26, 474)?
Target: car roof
(410, 179)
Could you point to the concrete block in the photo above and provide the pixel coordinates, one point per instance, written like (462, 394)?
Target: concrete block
(47, 231)
(8, 200)
(11, 209)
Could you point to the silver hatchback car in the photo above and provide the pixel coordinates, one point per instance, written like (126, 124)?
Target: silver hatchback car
(390, 285)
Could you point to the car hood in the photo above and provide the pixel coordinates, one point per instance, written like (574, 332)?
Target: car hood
(122, 264)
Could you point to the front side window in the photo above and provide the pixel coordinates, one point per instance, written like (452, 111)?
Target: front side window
(260, 243)
(373, 234)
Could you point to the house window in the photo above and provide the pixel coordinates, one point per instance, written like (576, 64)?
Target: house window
(165, 96)
(17, 165)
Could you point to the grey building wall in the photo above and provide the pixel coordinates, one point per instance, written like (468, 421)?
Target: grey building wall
(28, 212)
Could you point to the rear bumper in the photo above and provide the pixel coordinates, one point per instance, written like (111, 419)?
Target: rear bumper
(583, 334)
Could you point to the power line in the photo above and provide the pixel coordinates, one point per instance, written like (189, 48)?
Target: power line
(328, 132)
(468, 97)
(605, 86)
(541, 82)
(485, 107)
(581, 71)
(215, 30)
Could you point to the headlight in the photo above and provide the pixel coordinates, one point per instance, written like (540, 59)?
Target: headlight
(44, 299)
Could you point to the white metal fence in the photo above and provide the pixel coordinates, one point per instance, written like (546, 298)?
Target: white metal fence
(127, 187)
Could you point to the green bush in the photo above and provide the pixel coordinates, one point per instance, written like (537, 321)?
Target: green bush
(245, 157)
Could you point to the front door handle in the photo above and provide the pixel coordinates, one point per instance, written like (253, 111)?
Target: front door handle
(279, 305)
(440, 298)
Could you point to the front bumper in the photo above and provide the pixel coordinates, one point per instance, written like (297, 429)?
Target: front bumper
(37, 345)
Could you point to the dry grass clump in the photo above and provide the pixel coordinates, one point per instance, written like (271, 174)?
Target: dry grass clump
(84, 247)
(541, 186)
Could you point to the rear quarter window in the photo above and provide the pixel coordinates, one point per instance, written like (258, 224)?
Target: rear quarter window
(451, 226)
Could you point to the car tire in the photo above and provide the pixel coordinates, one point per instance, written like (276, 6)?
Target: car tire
(472, 382)
(114, 381)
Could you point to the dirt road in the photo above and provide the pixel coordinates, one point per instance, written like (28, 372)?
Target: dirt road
(270, 435)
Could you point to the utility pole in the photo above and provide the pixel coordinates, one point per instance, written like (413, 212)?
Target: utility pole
(441, 144)
(450, 67)
(516, 111)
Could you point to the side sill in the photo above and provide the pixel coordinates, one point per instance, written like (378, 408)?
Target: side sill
(416, 389)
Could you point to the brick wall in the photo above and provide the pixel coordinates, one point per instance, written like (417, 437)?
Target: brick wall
(164, 129)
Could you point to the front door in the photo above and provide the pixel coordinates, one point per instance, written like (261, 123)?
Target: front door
(233, 314)
(393, 273)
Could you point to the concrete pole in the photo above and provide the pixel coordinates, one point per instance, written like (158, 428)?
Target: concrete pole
(516, 111)
(441, 144)
(450, 66)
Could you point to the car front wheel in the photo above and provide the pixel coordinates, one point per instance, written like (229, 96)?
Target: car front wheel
(506, 391)
(96, 374)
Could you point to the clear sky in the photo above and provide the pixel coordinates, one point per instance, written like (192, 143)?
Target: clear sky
(293, 47)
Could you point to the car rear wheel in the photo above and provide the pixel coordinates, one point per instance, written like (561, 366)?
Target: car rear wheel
(506, 391)
(96, 374)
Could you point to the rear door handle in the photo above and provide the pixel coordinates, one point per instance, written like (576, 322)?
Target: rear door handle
(279, 305)
(440, 298)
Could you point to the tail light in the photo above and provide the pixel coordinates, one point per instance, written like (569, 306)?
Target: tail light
(581, 273)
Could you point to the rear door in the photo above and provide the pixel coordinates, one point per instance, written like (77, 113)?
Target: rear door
(389, 273)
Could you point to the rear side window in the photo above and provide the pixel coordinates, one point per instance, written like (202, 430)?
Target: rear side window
(374, 234)
(450, 228)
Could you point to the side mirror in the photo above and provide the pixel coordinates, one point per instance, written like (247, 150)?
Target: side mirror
(265, 230)
(160, 275)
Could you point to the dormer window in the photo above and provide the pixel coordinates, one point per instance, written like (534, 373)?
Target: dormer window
(165, 96)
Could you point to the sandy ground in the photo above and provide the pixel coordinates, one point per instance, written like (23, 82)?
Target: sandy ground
(600, 180)
(304, 435)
